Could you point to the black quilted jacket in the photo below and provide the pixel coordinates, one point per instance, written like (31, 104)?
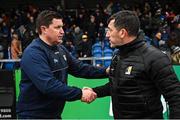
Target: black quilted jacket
(138, 76)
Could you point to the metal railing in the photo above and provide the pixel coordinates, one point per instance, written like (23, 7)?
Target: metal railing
(10, 60)
(92, 59)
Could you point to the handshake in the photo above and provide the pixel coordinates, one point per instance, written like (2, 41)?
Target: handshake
(88, 95)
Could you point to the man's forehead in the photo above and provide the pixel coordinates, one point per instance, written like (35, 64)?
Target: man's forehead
(57, 21)
(111, 23)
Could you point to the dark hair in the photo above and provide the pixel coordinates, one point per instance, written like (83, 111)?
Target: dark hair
(128, 20)
(45, 18)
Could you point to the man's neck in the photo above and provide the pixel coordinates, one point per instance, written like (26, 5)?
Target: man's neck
(130, 39)
(44, 39)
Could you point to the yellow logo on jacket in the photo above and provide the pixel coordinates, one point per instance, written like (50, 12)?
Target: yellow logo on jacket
(128, 70)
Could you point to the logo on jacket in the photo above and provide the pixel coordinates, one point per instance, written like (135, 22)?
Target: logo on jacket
(55, 61)
(128, 70)
(64, 56)
(56, 52)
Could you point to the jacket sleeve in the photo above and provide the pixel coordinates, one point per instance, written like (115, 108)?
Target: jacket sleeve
(78, 69)
(162, 73)
(103, 90)
(35, 65)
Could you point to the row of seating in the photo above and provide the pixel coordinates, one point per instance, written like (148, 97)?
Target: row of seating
(102, 50)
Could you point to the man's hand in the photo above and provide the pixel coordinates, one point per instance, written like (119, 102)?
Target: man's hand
(88, 95)
(107, 70)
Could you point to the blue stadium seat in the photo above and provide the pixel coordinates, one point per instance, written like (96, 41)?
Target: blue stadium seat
(9, 65)
(107, 53)
(97, 46)
(107, 63)
(98, 53)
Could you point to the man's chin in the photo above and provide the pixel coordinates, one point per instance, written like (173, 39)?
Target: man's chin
(112, 46)
(60, 42)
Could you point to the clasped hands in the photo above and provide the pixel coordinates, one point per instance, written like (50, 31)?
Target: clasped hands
(88, 95)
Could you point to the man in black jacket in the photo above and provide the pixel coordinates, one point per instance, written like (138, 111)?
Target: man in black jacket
(138, 74)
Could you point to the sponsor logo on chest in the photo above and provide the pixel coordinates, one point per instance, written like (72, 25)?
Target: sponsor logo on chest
(128, 70)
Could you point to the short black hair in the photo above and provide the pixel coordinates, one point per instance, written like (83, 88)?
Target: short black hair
(45, 18)
(128, 20)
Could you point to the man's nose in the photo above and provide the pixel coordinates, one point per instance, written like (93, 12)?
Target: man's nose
(61, 31)
(107, 34)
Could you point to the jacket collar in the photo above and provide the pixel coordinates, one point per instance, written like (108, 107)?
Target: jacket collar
(54, 47)
(138, 42)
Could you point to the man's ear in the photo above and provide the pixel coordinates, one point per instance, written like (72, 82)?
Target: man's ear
(43, 29)
(122, 33)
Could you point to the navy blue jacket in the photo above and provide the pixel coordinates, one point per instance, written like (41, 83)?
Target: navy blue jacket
(43, 88)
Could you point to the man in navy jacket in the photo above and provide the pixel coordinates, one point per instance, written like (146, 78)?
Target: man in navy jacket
(45, 66)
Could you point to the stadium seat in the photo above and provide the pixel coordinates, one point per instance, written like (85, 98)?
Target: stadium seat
(97, 46)
(98, 53)
(107, 53)
(9, 65)
(107, 63)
